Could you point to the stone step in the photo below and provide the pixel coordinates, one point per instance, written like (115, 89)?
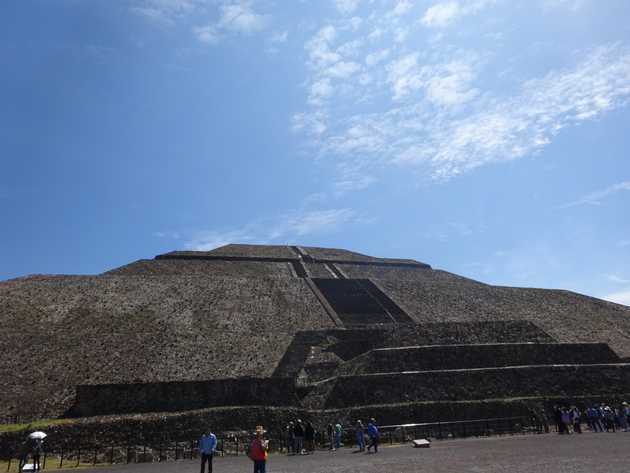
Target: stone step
(470, 384)
(444, 357)
(440, 333)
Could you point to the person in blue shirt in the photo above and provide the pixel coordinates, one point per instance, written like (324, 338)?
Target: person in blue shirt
(374, 435)
(207, 447)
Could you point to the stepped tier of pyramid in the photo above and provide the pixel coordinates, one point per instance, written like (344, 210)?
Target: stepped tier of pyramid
(301, 329)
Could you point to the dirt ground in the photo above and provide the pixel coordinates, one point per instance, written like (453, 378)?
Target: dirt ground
(592, 453)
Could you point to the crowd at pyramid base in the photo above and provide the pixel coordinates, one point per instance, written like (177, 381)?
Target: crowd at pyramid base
(245, 334)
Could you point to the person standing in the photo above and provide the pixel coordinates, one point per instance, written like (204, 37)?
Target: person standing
(298, 430)
(290, 438)
(38, 449)
(359, 431)
(309, 437)
(207, 447)
(330, 432)
(25, 449)
(338, 433)
(374, 435)
(576, 418)
(258, 449)
(566, 420)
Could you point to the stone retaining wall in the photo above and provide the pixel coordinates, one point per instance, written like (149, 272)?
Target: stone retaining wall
(180, 396)
(475, 384)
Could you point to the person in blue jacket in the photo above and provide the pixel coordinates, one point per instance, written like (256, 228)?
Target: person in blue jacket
(374, 435)
(207, 447)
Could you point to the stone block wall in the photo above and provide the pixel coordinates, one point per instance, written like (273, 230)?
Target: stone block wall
(471, 384)
(182, 396)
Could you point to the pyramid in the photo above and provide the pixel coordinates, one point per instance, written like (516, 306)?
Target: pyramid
(318, 331)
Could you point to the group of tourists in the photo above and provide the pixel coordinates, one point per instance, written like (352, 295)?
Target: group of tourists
(602, 418)
(370, 434)
(300, 436)
(300, 440)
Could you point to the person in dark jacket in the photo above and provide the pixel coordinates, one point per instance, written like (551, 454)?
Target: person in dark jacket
(309, 437)
(37, 451)
(298, 432)
(23, 453)
(330, 433)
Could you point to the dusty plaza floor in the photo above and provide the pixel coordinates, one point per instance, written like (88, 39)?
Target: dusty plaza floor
(592, 453)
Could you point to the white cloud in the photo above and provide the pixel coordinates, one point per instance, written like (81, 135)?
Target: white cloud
(235, 17)
(422, 128)
(239, 17)
(312, 123)
(346, 6)
(209, 34)
(622, 297)
(279, 37)
(276, 39)
(453, 87)
(285, 228)
(320, 91)
(443, 14)
(315, 221)
(319, 48)
(404, 75)
(168, 234)
(376, 57)
(595, 198)
(342, 70)
(402, 7)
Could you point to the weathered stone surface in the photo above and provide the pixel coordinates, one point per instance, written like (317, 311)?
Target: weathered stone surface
(566, 316)
(60, 332)
(208, 268)
(104, 399)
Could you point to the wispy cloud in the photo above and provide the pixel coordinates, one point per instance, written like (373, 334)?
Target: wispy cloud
(596, 197)
(443, 14)
(285, 228)
(236, 17)
(622, 297)
(346, 6)
(167, 11)
(439, 120)
(616, 279)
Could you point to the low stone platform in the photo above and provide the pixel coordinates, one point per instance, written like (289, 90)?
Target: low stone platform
(445, 357)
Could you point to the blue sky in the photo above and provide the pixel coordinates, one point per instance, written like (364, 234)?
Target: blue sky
(486, 137)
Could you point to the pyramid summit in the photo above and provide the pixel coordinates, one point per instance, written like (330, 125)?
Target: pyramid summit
(242, 329)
